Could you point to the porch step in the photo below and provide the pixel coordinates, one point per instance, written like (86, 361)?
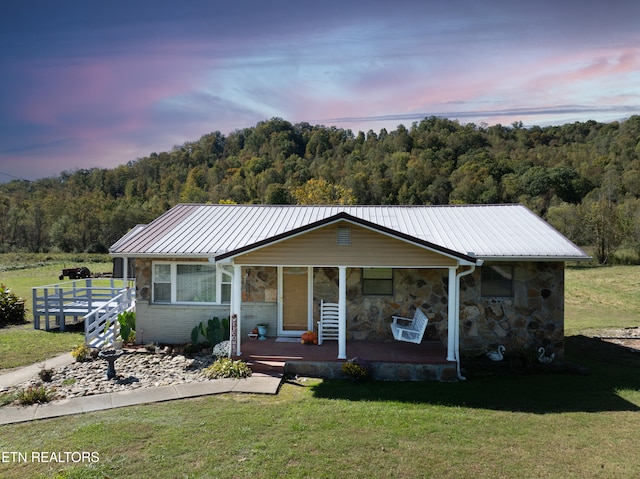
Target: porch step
(262, 366)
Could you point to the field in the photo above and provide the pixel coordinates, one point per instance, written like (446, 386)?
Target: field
(533, 426)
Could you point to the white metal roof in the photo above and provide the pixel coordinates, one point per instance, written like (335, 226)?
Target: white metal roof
(488, 231)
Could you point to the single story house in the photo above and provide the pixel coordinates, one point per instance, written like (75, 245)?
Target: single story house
(484, 275)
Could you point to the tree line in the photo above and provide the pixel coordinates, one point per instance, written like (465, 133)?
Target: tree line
(583, 178)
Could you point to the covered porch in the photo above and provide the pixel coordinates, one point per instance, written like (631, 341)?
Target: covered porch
(391, 360)
(330, 261)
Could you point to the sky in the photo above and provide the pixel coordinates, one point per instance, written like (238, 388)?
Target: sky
(98, 84)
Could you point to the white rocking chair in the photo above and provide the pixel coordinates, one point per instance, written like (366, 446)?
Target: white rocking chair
(328, 326)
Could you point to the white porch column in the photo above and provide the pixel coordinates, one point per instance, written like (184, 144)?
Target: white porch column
(342, 312)
(452, 314)
(236, 302)
(125, 272)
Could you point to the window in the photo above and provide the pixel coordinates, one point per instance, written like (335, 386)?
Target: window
(190, 283)
(162, 283)
(377, 281)
(497, 281)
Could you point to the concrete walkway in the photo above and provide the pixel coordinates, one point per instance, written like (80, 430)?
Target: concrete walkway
(258, 383)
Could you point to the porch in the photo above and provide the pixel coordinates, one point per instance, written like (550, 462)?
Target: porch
(391, 360)
(68, 303)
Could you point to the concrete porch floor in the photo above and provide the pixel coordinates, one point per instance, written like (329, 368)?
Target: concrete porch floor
(392, 360)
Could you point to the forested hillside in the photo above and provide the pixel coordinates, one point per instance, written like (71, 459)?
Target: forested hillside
(584, 178)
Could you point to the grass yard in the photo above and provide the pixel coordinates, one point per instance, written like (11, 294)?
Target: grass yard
(601, 298)
(531, 426)
(22, 271)
(537, 426)
(22, 345)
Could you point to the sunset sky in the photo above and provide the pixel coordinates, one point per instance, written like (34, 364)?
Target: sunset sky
(88, 84)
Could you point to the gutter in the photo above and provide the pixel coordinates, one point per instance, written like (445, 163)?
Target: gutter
(457, 318)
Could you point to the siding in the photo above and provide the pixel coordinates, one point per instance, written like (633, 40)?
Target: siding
(169, 324)
(368, 248)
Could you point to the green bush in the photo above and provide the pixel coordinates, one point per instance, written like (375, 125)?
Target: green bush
(11, 307)
(36, 394)
(213, 331)
(358, 368)
(228, 368)
(127, 320)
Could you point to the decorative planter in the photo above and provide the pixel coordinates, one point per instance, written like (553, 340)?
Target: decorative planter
(262, 333)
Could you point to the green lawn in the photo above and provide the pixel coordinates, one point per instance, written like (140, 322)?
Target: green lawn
(21, 272)
(602, 297)
(535, 426)
(517, 426)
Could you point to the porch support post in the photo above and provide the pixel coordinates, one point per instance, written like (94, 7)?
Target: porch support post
(236, 303)
(125, 272)
(452, 314)
(342, 312)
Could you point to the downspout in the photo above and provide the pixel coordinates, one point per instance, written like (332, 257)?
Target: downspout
(457, 317)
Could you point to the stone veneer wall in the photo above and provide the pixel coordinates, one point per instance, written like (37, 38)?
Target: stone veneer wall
(532, 318)
(369, 317)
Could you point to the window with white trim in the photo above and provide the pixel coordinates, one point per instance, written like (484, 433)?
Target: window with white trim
(190, 283)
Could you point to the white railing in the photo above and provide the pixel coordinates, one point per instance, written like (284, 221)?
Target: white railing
(71, 299)
(101, 325)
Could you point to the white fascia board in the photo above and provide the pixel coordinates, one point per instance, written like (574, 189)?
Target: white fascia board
(547, 259)
(166, 256)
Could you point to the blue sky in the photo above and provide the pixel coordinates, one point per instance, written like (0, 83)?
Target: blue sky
(86, 84)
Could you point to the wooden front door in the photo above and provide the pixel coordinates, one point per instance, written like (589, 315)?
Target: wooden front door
(295, 301)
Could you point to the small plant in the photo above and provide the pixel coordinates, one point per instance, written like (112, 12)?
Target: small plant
(227, 368)
(36, 395)
(7, 398)
(191, 349)
(213, 331)
(127, 320)
(150, 347)
(358, 368)
(82, 353)
(11, 307)
(222, 350)
(46, 375)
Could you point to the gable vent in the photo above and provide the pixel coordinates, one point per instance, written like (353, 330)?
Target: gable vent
(344, 236)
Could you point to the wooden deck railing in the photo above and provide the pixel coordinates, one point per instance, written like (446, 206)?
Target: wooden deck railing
(74, 299)
(101, 325)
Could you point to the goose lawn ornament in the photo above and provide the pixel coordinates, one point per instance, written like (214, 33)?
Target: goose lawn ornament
(496, 355)
(545, 359)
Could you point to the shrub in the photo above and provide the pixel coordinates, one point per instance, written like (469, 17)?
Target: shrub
(82, 353)
(127, 320)
(358, 368)
(228, 368)
(46, 375)
(11, 307)
(213, 331)
(36, 394)
(222, 350)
